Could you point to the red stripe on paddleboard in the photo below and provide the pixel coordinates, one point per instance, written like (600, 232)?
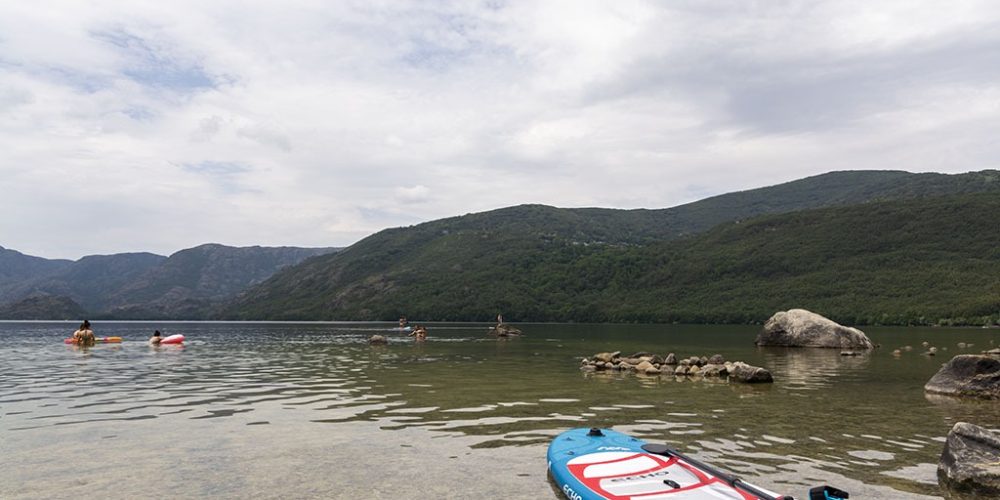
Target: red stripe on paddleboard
(704, 479)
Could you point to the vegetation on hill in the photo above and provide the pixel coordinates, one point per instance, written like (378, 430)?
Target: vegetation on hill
(42, 307)
(916, 261)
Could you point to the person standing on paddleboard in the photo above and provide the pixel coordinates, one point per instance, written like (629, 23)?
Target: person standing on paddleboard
(84, 335)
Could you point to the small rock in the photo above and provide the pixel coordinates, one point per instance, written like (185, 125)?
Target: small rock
(714, 370)
(716, 359)
(606, 356)
(652, 371)
(643, 366)
(961, 345)
(681, 370)
(671, 359)
(694, 370)
(588, 368)
(897, 352)
(742, 372)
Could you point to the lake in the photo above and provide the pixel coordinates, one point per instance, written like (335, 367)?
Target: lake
(309, 410)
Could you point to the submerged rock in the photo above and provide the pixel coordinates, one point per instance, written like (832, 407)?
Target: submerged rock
(801, 328)
(970, 375)
(970, 462)
(742, 372)
(378, 340)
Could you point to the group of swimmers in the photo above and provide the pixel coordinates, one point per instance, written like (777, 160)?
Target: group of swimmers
(85, 335)
(419, 332)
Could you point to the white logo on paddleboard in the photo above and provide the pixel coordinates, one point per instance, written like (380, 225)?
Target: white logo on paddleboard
(613, 448)
(572, 495)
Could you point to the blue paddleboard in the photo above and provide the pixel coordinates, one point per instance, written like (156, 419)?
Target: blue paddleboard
(591, 464)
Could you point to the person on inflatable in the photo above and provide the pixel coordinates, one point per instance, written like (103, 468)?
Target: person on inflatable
(84, 335)
(155, 339)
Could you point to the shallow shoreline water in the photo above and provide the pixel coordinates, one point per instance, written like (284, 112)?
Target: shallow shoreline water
(309, 410)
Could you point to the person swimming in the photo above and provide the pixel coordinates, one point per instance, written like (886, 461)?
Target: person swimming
(419, 333)
(155, 339)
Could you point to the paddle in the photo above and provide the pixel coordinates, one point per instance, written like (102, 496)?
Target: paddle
(817, 493)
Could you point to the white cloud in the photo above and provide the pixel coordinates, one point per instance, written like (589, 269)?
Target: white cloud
(159, 126)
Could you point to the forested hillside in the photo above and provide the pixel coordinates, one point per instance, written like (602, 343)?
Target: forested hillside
(921, 261)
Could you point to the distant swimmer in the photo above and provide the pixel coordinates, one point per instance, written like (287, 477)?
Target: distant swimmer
(155, 339)
(84, 335)
(419, 333)
(402, 322)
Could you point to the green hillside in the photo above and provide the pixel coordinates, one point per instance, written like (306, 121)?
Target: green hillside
(920, 260)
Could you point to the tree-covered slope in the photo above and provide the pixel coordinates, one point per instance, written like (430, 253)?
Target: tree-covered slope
(918, 260)
(42, 307)
(188, 283)
(92, 279)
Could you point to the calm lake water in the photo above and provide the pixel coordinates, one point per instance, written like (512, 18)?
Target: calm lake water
(309, 410)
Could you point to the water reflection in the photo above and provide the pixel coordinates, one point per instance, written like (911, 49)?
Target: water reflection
(812, 369)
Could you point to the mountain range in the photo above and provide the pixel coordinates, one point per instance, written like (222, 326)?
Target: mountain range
(864, 247)
(188, 284)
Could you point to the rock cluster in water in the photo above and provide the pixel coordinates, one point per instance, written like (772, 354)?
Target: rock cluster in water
(802, 328)
(970, 462)
(654, 364)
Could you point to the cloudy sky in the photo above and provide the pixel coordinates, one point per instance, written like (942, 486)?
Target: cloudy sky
(157, 126)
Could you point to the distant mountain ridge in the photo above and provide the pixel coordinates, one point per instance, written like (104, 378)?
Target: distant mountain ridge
(539, 263)
(185, 285)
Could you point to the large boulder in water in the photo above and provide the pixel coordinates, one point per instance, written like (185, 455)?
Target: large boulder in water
(970, 375)
(970, 462)
(801, 328)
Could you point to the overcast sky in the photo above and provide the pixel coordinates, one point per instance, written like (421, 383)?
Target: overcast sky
(157, 126)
